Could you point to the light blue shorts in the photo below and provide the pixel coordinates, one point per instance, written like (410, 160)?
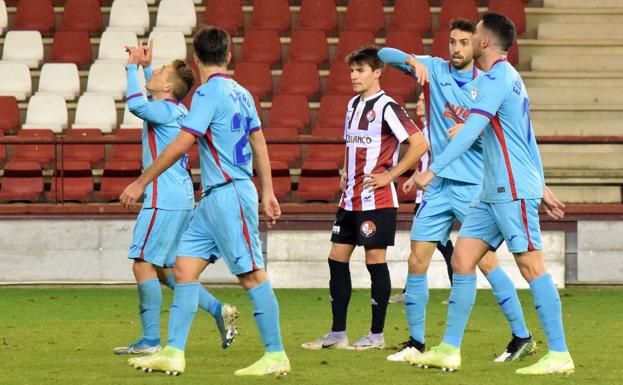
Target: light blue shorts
(516, 222)
(156, 235)
(226, 224)
(445, 201)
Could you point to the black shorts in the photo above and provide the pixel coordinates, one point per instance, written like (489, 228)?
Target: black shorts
(372, 228)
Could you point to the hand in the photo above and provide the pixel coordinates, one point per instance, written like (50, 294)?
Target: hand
(135, 55)
(131, 194)
(419, 70)
(409, 185)
(146, 53)
(377, 181)
(343, 180)
(272, 211)
(422, 179)
(452, 131)
(552, 205)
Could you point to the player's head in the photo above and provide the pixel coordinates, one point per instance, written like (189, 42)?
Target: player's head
(365, 69)
(175, 78)
(494, 32)
(212, 47)
(461, 47)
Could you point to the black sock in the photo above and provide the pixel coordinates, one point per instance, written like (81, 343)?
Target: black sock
(381, 289)
(446, 251)
(340, 288)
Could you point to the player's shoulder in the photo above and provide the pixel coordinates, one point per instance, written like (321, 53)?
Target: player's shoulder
(385, 100)
(501, 72)
(354, 100)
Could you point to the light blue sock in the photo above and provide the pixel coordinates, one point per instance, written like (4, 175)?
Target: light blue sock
(506, 296)
(547, 303)
(416, 298)
(462, 298)
(183, 310)
(266, 313)
(207, 301)
(150, 302)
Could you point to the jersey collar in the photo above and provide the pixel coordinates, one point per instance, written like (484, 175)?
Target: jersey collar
(176, 102)
(219, 75)
(474, 70)
(381, 92)
(500, 60)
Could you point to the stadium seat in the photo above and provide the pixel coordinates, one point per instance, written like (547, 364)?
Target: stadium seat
(43, 154)
(60, 79)
(350, 41)
(271, 14)
(189, 96)
(328, 152)
(226, 14)
(46, 111)
(455, 9)
(130, 15)
(282, 184)
(365, 15)
(319, 181)
(109, 79)
(82, 15)
(397, 84)
(15, 80)
(23, 47)
(9, 114)
(405, 40)
(255, 77)
(72, 47)
(261, 46)
(127, 152)
(2, 150)
(91, 153)
(338, 81)
(309, 46)
(439, 48)
(176, 15)
(72, 181)
(411, 15)
(332, 110)
(513, 9)
(318, 15)
(300, 79)
(116, 176)
(168, 45)
(22, 181)
(4, 18)
(34, 15)
(113, 43)
(290, 111)
(96, 111)
(289, 153)
(130, 120)
(402, 196)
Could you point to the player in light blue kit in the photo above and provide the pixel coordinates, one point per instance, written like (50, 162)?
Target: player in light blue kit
(453, 85)
(168, 200)
(507, 208)
(225, 224)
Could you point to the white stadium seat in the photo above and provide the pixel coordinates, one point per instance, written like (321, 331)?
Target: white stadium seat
(129, 15)
(107, 78)
(96, 111)
(46, 111)
(168, 45)
(113, 43)
(130, 120)
(15, 80)
(177, 15)
(4, 19)
(23, 47)
(61, 79)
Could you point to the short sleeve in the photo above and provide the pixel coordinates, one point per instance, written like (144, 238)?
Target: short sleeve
(202, 110)
(399, 122)
(492, 92)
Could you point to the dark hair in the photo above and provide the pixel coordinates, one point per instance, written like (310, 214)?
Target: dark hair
(464, 25)
(212, 45)
(502, 27)
(184, 79)
(366, 55)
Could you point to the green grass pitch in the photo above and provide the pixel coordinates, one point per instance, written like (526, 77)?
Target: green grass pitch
(66, 335)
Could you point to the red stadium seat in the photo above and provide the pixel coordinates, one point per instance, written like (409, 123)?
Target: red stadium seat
(318, 15)
(365, 15)
(72, 181)
(299, 78)
(404, 40)
(226, 14)
(117, 175)
(91, 153)
(261, 46)
(440, 44)
(2, 150)
(82, 15)
(255, 77)
(72, 47)
(37, 15)
(405, 197)
(22, 181)
(397, 84)
(329, 152)
(338, 81)
(412, 15)
(9, 114)
(40, 153)
(271, 14)
(513, 9)
(189, 96)
(456, 9)
(290, 111)
(309, 46)
(332, 110)
(289, 153)
(127, 152)
(282, 184)
(319, 181)
(350, 41)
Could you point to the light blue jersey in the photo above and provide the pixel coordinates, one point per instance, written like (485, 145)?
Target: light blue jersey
(512, 168)
(173, 189)
(223, 115)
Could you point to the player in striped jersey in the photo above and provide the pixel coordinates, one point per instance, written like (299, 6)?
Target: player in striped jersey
(168, 200)
(374, 128)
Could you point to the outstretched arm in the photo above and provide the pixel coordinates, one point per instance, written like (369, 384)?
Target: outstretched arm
(406, 63)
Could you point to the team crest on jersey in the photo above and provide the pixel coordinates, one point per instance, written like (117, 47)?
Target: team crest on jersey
(368, 229)
(371, 115)
(474, 93)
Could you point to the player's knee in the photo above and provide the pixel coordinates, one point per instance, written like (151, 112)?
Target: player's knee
(462, 265)
(418, 264)
(488, 263)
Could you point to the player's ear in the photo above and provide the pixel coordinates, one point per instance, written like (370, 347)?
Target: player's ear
(228, 57)
(168, 87)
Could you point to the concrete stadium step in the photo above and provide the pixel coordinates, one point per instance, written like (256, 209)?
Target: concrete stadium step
(571, 79)
(582, 156)
(577, 127)
(580, 62)
(586, 194)
(575, 95)
(582, 3)
(569, 49)
(538, 15)
(571, 31)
